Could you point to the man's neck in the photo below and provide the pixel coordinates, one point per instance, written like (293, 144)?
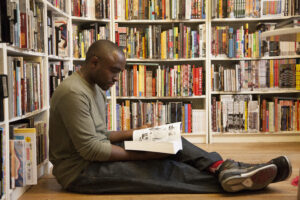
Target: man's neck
(83, 75)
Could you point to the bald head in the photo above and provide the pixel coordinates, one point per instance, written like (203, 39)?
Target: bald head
(103, 49)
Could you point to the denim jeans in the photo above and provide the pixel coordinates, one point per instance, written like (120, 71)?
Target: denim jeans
(184, 172)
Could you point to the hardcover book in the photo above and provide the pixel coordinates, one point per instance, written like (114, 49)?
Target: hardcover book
(162, 139)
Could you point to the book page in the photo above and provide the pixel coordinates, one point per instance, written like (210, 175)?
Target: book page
(163, 133)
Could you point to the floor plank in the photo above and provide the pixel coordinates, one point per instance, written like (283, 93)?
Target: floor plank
(49, 189)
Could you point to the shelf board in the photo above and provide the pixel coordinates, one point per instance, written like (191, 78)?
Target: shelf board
(57, 11)
(23, 52)
(159, 98)
(86, 19)
(78, 59)
(164, 60)
(261, 91)
(285, 34)
(285, 136)
(193, 134)
(2, 123)
(249, 19)
(36, 112)
(225, 58)
(160, 21)
(18, 192)
(58, 58)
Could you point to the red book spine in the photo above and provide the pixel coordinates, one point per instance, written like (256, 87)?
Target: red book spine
(153, 87)
(170, 82)
(145, 80)
(194, 81)
(23, 30)
(134, 80)
(264, 105)
(276, 113)
(189, 118)
(200, 91)
(297, 115)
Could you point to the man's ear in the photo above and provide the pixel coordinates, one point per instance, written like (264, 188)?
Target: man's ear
(93, 61)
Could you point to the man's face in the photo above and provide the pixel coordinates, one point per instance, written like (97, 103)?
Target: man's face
(108, 69)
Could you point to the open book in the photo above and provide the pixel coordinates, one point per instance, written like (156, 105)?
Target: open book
(162, 139)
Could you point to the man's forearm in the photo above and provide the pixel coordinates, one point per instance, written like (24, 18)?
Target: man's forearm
(120, 154)
(118, 136)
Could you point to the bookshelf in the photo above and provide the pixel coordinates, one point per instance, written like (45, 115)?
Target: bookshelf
(223, 60)
(109, 22)
(31, 54)
(169, 19)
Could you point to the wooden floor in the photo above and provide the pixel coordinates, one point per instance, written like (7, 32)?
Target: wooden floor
(49, 189)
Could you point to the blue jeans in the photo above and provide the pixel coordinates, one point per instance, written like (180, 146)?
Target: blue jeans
(184, 172)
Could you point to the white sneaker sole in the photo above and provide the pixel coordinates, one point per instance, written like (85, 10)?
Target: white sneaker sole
(254, 180)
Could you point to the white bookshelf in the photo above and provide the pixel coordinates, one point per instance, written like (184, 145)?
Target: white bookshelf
(285, 34)
(41, 114)
(204, 137)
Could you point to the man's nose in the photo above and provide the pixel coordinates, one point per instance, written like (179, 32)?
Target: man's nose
(116, 78)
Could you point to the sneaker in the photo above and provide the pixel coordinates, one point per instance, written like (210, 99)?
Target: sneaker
(284, 168)
(238, 176)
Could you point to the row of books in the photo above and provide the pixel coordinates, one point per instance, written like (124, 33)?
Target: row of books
(98, 9)
(28, 149)
(237, 43)
(254, 8)
(84, 35)
(155, 9)
(22, 24)
(235, 113)
(153, 41)
(278, 114)
(161, 81)
(255, 75)
(56, 75)
(240, 43)
(235, 8)
(240, 113)
(60, 4)
(132, 114)
(57, 35)
(25, 86)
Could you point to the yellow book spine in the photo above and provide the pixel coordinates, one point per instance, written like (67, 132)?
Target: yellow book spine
(297, 76)
(176, 42)
(126, 9)
(163, 45)
(25, 130)
(82, 50)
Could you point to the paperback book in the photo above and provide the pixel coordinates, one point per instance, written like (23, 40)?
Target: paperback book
(161, 139)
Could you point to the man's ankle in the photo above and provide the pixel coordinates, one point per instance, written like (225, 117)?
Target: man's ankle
(215, 166)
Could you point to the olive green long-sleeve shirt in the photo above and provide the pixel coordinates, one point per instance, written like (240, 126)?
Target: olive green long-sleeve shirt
(77, 131)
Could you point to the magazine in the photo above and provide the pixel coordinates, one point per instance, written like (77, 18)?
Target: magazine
(162, 139)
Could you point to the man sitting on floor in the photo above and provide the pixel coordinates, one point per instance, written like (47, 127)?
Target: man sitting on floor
(89, 159)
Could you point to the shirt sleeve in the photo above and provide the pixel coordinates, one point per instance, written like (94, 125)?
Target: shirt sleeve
(74, 110)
